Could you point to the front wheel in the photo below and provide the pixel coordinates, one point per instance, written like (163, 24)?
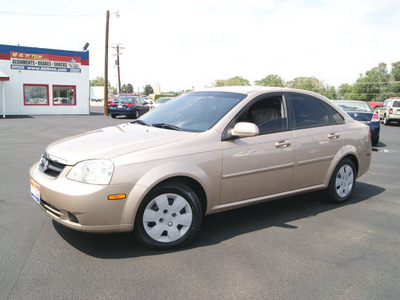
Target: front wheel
(169, 217)
(341, 184)
(385, 120)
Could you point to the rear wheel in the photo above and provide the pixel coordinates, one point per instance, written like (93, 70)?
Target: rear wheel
(169, 217)
(341, 184)
(113, 116)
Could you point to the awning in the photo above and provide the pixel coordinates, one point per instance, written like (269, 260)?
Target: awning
(3, 77)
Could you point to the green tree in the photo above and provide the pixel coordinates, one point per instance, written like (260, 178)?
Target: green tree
(127, 88)
(346, 92)
(307, 83)
(234, 81)
(99, 81)
(330, 92)
(394, 83)
(373, 86)
(148, 90)
(271, 80)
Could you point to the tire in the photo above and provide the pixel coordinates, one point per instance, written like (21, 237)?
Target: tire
(169, 217)
(341, 184)
(136, 114)
(385, 121)
(113, 116)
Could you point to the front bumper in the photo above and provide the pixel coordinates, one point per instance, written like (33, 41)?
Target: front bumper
(81, 206)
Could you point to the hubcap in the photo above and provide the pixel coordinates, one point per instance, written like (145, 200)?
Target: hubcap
(344, 181)
(167, 218)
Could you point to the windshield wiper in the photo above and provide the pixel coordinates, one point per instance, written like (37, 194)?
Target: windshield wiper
(140, 122)
(166, 126)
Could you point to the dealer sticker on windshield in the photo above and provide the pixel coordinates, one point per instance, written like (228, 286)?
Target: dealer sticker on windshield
(35, 191)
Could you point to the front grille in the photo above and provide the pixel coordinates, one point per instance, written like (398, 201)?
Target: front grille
(51, 166)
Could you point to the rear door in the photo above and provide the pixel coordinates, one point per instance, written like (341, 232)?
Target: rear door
(318, 139)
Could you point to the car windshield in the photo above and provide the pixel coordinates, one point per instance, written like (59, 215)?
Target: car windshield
(162, 100)
(354, 106)
(196, 111)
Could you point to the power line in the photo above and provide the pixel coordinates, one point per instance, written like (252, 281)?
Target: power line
(41, 15)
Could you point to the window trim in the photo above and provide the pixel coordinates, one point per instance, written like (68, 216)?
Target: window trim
(66, 86)
(38, 85)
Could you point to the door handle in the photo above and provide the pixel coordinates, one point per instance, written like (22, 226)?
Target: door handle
(333, 136)
(282, 144)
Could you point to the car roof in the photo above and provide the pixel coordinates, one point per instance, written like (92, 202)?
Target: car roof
(259, 89)
(351, 101)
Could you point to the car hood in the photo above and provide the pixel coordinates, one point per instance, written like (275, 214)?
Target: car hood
(113, 141)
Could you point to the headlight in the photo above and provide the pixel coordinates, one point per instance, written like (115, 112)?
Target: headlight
(92, 171)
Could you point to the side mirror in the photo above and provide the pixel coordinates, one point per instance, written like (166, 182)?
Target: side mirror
(245, 129)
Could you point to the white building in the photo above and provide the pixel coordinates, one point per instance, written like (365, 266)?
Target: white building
(44, 81)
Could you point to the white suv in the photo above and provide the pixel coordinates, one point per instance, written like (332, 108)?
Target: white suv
(390, 110)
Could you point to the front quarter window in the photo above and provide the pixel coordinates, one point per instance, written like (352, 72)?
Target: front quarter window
(196, 111)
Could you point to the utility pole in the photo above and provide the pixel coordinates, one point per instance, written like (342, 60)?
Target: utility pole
(106, 66)
(118, 68)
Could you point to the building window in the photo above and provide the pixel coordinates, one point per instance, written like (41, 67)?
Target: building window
(36, 94)
(64, 95)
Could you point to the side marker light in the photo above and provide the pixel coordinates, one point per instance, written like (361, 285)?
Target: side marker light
(116, 197)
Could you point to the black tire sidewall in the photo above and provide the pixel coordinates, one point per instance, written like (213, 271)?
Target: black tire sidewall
(190, 197)
(331, 193)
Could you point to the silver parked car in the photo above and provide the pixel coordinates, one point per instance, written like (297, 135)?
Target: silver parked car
(205, 152)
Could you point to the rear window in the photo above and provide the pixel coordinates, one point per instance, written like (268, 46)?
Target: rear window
(396, 103)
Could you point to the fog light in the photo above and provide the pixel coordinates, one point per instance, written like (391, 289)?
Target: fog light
(72, 217)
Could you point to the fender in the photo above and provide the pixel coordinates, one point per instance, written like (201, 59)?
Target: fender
(343, 152)
(165, 171)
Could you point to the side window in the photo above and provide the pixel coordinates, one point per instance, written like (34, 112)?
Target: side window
(267, 113)
(336, 116)
(309, 112)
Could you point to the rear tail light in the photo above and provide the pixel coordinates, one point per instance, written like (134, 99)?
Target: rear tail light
(391, 111)
(112, 104)
(128, 104)
(375, 117)
(370, 135)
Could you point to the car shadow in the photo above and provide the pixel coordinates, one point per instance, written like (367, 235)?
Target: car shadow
(219, 227)
(379, 145)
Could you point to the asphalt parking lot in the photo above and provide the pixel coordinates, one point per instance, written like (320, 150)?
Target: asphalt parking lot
(295, 248)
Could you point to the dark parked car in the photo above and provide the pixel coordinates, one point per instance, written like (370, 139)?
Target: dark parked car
(361, 111)
(131, 106)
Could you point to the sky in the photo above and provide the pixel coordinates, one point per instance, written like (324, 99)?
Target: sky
(181, 44)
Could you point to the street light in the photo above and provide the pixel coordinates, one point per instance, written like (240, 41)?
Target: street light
(106, 63)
